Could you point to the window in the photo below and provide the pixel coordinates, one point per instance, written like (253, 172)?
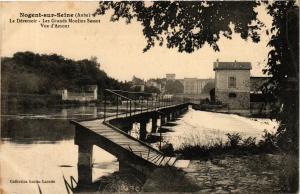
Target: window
(232, 82)
(232, 95)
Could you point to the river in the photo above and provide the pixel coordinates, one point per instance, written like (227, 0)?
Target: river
(38, 151)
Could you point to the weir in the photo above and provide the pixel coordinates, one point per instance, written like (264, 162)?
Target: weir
(111, 133)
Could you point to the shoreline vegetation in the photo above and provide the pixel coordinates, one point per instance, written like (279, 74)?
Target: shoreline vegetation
(283, 166)
(36, 80)
(235, 145)
(32, 81)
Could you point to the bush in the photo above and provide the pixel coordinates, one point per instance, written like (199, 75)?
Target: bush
(192, 147)
(249, 142)
(234, 139)
(269, 142)
(168, 149)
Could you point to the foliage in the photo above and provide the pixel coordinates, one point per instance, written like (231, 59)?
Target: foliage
(208, 87)
(136, 80)
(212, 94)
(167, 149)
(192, 148)
(187, 26)
(234, 139)
(27, 72)
(269, 141)
(249, 142)
(173, 87)
(283, 66)
(152, 89)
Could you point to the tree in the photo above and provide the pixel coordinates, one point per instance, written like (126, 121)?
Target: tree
(283, 66)
(28, 72)
(94, 59)
(152, 89)
(174, 87)
(136, 80)
(187, 26)
(207, 88)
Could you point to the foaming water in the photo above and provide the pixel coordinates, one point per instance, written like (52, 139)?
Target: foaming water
(207, 128)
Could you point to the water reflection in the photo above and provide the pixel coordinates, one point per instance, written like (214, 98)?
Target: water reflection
(40, 146)
(29, 131)
(47, 162)
(38, 150)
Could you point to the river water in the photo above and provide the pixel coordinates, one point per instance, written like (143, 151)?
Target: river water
(38, 151)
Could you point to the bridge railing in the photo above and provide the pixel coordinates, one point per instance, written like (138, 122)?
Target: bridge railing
(119, 102)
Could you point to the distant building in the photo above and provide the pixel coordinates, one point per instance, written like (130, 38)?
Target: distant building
(194, 85)
(170, 76)
(154, 83)
(139, 87)
(138, 84)
(85, 93)
(232, 85)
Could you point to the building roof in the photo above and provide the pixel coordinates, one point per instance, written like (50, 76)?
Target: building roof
(232, 65)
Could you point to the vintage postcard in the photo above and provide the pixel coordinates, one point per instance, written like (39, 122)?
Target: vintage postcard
(149, 96)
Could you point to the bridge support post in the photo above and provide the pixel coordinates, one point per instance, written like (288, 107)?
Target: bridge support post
(85, 156)
(173, 115)
(143, 131)
(168, 117)
(154, 124)
(127, 127)
(162, 120)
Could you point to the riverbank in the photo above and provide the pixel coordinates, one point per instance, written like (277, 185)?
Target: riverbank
(20, 100)
(263, 173)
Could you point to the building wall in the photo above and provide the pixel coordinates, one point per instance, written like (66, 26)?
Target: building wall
(80, 96)
(194, 85)
(189, 85)
(241, 101)
(237, 97)
(170, 76)
(242, 80)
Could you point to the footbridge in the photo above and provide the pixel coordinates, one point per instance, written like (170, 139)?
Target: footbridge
(121, 109)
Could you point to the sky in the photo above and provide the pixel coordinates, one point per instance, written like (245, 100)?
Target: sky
(119, 46)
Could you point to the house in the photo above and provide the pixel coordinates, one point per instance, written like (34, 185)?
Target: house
(138, 84)
(83, 94)
(232, 85)
(170, 76)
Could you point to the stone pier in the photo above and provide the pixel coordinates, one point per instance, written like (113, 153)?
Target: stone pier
(154, 124)
(85, 158)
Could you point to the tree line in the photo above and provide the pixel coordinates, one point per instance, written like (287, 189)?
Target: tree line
(33, 73)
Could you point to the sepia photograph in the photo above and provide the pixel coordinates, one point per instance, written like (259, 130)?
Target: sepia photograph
(149, 97)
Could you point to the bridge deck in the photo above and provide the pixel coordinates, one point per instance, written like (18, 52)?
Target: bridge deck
(139, 111)
(135, 146)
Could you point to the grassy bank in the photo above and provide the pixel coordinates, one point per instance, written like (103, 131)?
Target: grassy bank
(193, 149)
(269, 157)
